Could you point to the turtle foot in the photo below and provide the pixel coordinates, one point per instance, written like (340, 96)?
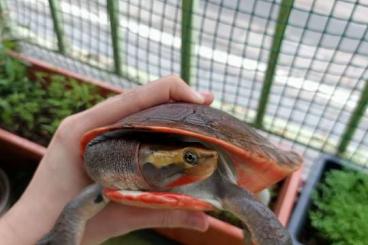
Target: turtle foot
(70, 225)
(262, 226)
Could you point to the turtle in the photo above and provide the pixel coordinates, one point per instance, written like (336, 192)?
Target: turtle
(180, 156)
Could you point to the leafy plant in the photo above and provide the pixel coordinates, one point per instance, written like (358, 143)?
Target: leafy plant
(34, 108)
(341, 208)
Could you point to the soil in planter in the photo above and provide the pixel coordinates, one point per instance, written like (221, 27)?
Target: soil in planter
(34, 108)
(339, 213)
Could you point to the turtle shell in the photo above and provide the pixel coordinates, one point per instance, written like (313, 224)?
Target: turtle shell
(258, 164)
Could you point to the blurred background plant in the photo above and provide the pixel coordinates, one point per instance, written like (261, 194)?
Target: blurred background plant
(34, 108)
(340, 208)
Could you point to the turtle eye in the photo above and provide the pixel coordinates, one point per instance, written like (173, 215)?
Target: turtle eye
(191, 157)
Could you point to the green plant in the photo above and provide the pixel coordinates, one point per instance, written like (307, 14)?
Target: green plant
(341, 207)
(34, 108)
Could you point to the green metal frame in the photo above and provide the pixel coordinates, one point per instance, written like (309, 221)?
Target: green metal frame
(282, 20)
(354, 120)
(2, 7)
(58, 25)
(187, 19)
(112, 10)
(2, 13)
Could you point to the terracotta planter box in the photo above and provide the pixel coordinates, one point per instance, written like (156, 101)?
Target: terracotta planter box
(219, 232)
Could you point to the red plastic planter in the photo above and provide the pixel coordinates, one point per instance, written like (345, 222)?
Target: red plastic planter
(219, 232)
(287, 197)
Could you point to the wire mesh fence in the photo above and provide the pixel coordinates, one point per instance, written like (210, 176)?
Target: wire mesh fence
(295, 69)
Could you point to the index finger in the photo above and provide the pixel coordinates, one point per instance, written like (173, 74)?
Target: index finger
(157, 92)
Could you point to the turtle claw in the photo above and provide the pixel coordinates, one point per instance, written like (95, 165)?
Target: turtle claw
(69, 227)
(247, 236)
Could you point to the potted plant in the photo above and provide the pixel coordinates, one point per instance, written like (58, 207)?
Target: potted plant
(46, 75)
(36, 97)
(333, 207)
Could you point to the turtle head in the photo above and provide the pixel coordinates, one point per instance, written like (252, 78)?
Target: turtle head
(166, 167)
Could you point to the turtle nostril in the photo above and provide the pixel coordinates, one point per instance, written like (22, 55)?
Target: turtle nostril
(98, 198)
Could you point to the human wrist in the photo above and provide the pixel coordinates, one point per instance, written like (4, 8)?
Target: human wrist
(34, 214)
(8, 231)
(20, 225)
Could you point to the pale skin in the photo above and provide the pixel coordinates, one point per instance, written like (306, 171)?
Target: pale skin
(60, 175)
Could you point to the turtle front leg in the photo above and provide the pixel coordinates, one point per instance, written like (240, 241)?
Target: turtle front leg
(261, 224)
(70, 225)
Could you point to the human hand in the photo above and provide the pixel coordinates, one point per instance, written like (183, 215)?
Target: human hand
(61, 176)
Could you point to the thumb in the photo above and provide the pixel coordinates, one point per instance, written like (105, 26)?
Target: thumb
(208, 97)
(117, 219)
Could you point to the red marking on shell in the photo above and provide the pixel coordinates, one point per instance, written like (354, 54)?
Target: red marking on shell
(158, 200)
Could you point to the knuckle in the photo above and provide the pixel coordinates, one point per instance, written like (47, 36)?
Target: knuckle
(174, 78)
(134, 95)
(131, 93)
(67, 130)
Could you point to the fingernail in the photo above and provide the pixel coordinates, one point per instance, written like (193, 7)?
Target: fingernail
(204, 93)
(198, 96)
(209, 97)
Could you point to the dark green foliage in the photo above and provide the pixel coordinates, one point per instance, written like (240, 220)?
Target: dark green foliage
(34, 109)
(341, 208)
(226, 216)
